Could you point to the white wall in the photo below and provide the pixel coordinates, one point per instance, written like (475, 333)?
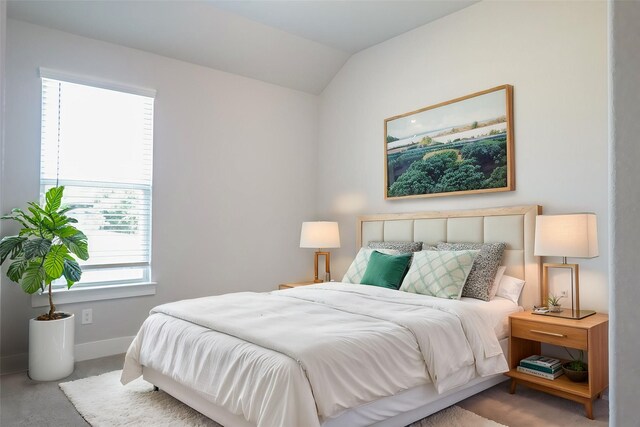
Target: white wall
(234, 175)
(555, 56)
(624, 38)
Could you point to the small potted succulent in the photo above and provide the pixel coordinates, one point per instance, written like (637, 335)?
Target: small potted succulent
(575, 369)
(554, 303)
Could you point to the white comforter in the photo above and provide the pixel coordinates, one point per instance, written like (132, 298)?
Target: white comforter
(299, 356)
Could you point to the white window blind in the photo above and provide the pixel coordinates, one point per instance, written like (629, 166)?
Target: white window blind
(98, 143)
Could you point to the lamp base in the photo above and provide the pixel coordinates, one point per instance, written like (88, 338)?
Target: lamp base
(327, 268)
(567, 313)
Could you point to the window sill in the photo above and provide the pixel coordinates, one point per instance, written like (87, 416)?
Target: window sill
(96, 293)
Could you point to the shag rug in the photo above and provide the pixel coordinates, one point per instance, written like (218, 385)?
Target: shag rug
(104, 402)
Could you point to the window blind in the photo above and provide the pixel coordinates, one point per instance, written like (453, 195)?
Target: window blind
(98, 143)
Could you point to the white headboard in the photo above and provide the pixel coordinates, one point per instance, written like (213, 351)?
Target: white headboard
(513, 225)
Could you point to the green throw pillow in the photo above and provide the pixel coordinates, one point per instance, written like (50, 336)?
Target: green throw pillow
(439, 273)
(386, 271)
(359, 265)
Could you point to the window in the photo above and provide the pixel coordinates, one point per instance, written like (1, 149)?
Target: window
(98, 143)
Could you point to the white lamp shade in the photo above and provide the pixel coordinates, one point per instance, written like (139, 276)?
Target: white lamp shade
(571, 235)
(320, 234)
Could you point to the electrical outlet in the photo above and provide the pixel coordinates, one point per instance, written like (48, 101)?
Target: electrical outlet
(563, 293)
(87, 316)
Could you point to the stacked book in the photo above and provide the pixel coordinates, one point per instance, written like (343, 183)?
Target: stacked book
(540, 366)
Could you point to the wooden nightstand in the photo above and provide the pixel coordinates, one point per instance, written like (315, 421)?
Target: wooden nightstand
(590, 334)
(295, 285)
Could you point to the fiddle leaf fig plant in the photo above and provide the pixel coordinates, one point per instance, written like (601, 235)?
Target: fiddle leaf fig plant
(46, 249)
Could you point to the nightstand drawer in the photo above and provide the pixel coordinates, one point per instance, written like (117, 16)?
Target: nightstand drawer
(553, 334)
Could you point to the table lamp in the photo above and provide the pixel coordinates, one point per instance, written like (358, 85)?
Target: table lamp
(569, 235)
(320, 235)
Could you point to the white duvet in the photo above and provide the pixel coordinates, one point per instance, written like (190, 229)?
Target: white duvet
(298, 356)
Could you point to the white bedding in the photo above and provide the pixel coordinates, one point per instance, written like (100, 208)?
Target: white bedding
(298, 356)
(498, 311)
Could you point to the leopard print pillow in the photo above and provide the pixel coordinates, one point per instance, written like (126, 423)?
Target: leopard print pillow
(484, 267)
(402, 247)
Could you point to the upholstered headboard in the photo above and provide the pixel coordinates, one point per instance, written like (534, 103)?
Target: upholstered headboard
(513, 225)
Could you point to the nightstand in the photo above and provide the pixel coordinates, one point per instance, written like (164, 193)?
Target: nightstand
(590, 334)
(295, 285)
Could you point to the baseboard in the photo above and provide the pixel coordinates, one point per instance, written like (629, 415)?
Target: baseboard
(14, 363)
(96, 349)
(85, 351)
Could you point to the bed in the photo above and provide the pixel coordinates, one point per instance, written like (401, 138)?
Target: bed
(340, 354)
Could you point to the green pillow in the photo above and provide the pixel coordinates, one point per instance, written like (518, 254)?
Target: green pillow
(386, 271)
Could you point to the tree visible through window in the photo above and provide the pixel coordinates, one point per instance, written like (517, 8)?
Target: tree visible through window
(98, 143)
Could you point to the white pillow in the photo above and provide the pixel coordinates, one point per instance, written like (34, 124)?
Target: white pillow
(496, 282)
(439, 273)
(359, 265)
(510, 288)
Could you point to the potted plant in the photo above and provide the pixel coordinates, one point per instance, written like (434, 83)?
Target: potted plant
(45, 250)
(575, 369)
(554, 303)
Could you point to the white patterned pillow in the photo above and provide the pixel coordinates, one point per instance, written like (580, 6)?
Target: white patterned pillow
(359, 265)
(439, 273)
(483, 272)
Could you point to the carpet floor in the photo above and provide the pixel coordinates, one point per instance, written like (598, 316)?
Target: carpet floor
(24, 402)
(104, 402)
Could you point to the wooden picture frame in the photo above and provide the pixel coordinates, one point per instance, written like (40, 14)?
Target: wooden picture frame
(461, 146)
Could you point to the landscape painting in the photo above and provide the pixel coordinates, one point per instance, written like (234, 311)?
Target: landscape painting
(461, 146)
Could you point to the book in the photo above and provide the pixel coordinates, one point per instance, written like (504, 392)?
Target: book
(538, 373)
(547, 362)
(551, 370)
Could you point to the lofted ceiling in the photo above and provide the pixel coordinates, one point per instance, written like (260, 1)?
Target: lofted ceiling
(295, 44)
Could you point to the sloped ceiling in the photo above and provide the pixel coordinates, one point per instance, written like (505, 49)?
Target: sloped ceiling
(295, 44)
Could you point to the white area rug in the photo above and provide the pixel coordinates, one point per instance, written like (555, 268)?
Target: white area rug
(104, 402)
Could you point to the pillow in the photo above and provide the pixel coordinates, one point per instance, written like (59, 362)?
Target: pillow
(496, 281)
(386, 271)
(510, 288)
(484, 268)
(439, 273)
(359, 265)
(403, 247)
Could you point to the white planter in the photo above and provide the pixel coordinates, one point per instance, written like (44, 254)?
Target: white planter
(51, 346)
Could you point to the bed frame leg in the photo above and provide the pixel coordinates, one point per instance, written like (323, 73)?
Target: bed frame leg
(155, 388)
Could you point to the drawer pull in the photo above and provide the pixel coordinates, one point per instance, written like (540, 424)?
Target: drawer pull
(547, 333)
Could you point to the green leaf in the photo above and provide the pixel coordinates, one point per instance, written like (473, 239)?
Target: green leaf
(16, 269)
(32, 278)
(37, 247)
(37, 211)
(65, 209)
(77, 244)
(53, 199)
(54, 262)
(72, 271)
(28, 232)
(19, 214)
(11, 245)
(67, 231)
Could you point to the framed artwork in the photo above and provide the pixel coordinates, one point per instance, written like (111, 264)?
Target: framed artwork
(462, 146)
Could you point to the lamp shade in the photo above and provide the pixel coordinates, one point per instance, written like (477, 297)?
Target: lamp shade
(320, 234)
(570, 235)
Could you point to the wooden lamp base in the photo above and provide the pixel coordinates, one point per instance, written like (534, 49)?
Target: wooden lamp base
(574, 312)
(327, 263)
